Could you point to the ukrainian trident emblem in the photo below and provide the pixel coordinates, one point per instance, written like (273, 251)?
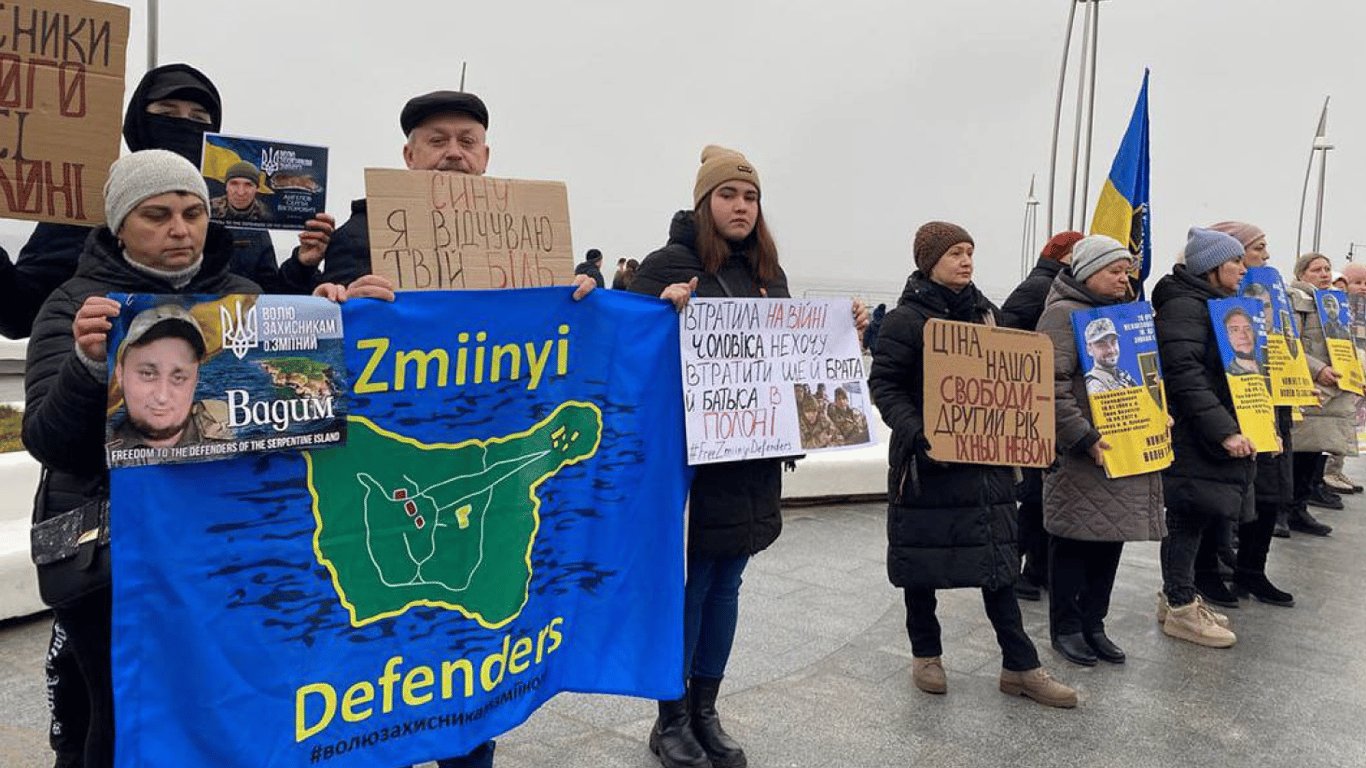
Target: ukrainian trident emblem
(241, 334)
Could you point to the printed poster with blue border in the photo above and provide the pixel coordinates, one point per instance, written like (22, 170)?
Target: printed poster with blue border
(504, 523)
(1240, 331)
(1291, 382)
(202, 378)
(1117, 349)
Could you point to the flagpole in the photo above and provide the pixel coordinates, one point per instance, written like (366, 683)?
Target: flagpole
(1057, 111)
(1031, 231)
(1076, 129)
(1090, 112)
(152, 32)
(1320, 144)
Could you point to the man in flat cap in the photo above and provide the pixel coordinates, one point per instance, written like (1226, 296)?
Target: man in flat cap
(238, 201)
(447, 131)
(1102, 344)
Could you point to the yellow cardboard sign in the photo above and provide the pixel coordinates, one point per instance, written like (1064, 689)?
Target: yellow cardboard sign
(1256, 414)
(1342, 355)
(1134, 423)
(1291, 383)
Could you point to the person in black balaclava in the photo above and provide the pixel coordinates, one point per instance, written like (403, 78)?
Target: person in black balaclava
(172, 108)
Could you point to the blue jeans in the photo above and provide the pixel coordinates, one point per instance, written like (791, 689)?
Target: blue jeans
(711, 606)
(481, 757)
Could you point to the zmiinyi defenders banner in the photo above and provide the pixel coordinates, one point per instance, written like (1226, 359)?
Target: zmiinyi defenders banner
(771, 377)
(988, 395)
(1337, 323)
(1239, 330)
(504, 523)
(61, 90)
(1291, 382)
(438, 230)
(202, 378)
(1117, 348)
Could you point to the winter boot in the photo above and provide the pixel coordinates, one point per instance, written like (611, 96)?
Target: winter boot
(1302, 521)
(706, 725)
(1282, 529)
(1257, 585)
(1192, 623)
(1038, 685)
(671, 738)
(1215, 592)
(928, 674)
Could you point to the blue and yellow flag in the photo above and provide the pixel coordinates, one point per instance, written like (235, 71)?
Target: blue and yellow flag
(504, 522)
(1122, 210)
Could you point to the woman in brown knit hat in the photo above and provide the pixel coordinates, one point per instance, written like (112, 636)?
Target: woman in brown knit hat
(720, 248)
(949, 525)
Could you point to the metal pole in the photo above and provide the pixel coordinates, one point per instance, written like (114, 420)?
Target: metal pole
(1057, 111)
(1318, 211)
(1319, 133)
(1090, 112)
(1076, 132)
(152, 32)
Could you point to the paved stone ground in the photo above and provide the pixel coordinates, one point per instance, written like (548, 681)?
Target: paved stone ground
(820, 675)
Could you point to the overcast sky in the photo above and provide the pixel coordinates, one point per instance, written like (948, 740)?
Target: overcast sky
(864, 119)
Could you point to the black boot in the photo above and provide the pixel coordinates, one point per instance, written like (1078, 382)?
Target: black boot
(1259, 586)
(1282, 529)
(671, 738)
(706, 725)
(1302, 521)
(1212, 588)
(1322, 496)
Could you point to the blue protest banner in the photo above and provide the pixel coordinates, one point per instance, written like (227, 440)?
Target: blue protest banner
(505, 522)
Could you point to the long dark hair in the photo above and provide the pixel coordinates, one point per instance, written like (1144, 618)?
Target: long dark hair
(758, 247)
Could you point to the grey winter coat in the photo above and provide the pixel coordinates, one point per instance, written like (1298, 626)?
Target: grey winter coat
(1079, 501)
(1330, 428)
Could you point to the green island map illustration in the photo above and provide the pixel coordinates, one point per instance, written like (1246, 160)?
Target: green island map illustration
(402, 523)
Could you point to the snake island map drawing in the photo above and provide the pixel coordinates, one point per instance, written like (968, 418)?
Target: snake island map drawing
(401, 523)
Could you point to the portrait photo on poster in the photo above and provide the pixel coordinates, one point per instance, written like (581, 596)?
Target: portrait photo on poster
(263, 183)
(199, 378)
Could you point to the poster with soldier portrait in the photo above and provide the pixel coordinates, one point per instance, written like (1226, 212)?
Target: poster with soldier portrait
(262, 183)
(1240, 331)
(201, 378)
(1117, 351)
(1287, 366)
(1336, 317)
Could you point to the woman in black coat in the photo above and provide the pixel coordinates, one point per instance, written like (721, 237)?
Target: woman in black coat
(720, 248)
(1211, 476)
(948, 525)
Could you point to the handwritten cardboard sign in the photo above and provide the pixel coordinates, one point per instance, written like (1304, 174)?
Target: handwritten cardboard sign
(988, 395)
(61, 104)
(771, 377)
(437, 230)
(1117, 350)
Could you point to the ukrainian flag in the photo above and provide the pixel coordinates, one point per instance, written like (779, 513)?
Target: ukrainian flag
(1122, 210)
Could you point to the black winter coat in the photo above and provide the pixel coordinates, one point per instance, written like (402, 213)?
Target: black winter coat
(1024, 305)
(733, 507)
(348, 253)
(64, 412)
(948, 525)
(1203, 478)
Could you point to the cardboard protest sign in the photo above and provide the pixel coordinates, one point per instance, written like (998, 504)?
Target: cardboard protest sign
(203, 378)
(262, 183)
(61, 107)
(988, 395)
(1337, 322)
(1117, 348)
(1239, 329)
(1291, 382)
(771, 377)
(437, 230)
(1356, 306)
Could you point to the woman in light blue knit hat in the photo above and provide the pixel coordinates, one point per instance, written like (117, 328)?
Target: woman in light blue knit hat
(1211, 477)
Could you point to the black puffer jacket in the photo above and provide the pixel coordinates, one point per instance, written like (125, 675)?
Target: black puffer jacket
(948, 525)
(733, 506)
(64, 412)
(1024, 305)
(1203, 478)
